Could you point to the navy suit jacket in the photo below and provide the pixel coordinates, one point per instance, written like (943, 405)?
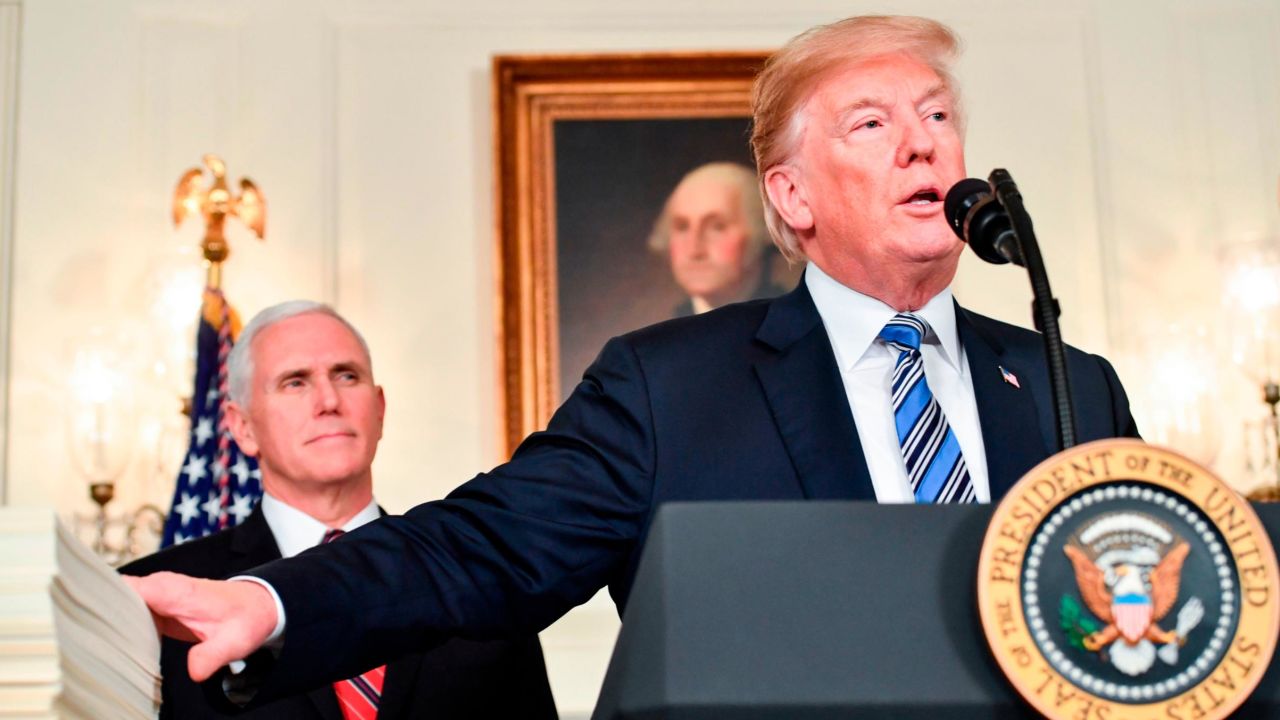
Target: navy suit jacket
(742, 403)
(459, 679)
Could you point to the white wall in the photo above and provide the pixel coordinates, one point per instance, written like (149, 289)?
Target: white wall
(10, 39)
(1143, 135)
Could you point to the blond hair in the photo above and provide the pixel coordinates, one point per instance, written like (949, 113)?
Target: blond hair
(791, 75)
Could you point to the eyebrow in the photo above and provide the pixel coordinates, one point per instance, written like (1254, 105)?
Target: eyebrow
(934, 93)
(345, 366)
(842, 118)
(348, 366)
(291, 374)
(717, 213)
(880, 103)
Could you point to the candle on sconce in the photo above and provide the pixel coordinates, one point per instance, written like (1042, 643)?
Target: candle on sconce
(101, 426)
(1251, 307)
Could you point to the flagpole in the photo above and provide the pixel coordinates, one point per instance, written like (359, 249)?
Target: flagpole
(206, 497)
(213, 276)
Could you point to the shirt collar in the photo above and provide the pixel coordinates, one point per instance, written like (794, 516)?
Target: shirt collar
(853, 320)
(296, 531)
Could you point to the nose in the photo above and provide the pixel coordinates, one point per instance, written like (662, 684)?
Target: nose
(326, 397)
(699, 243)
(916, 143)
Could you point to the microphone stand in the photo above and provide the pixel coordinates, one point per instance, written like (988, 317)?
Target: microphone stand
(1044, 307)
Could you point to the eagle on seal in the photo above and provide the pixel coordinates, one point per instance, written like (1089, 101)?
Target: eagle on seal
(1130, 607)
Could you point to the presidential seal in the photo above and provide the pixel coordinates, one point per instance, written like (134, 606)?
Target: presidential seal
(1122, 580)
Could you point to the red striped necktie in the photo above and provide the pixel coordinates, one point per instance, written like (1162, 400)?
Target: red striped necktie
(358, 696)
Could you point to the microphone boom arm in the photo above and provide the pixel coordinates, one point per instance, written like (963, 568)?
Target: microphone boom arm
(1044, 307)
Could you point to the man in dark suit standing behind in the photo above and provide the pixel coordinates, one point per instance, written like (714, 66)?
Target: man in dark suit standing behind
(303, 401)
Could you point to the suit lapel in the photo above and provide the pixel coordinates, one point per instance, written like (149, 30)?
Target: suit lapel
(400, 685)
(806, 395)
(1011, 430)
(326, 703)
(253, 544)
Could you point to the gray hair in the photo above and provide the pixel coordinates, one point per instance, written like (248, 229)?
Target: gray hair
(240, 361)
(735, 175)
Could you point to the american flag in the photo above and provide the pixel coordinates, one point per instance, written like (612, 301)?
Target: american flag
(1009, 377)
(218, 485)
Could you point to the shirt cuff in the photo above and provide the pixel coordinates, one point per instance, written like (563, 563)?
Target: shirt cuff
(276, 638)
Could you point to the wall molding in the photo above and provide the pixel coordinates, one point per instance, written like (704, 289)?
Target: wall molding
(575, 19)
(330, 248)
(1105, 209)
(10, 45)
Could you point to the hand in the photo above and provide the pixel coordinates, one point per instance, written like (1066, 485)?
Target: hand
(227, 620)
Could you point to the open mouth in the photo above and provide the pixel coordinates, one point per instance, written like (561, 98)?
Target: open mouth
(923, 197)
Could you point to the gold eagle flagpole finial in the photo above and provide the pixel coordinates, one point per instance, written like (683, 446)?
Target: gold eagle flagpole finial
(216, 204)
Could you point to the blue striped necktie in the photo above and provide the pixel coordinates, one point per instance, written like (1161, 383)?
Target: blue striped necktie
(935, 466)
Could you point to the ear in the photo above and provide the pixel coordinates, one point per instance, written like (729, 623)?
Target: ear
(382, 410)
(241, 429)
(783, 184)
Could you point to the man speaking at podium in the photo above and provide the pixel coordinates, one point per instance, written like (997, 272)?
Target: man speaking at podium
(866, 382)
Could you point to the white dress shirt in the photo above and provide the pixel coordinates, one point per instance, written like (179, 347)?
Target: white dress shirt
(296, 531)
(853, 322)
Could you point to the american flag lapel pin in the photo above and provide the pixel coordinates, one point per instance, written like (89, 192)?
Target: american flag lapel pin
(1009, 377)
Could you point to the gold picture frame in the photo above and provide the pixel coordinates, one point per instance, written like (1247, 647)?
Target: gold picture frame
(531, 94)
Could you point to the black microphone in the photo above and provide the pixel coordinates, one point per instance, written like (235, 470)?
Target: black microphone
(976, 215)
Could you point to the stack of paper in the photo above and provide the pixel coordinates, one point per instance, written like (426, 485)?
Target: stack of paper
(75, 641)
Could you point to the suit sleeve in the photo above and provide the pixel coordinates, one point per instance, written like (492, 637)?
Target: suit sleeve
(508, 552)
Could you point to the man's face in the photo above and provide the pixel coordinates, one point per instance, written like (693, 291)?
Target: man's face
(314, 415)
(880, 150)
(710, 241)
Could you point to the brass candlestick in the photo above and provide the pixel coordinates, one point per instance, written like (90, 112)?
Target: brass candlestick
(147, 519)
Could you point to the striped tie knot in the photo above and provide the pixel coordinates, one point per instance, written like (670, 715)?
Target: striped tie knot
(905, 332)
(332, 534)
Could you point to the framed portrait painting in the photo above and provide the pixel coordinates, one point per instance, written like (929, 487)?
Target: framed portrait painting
(588, 148)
